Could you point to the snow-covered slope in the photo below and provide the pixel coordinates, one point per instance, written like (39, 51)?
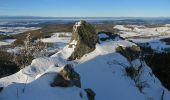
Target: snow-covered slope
(155, 44)
(6, 42)
(131, 31)
(98, 70)
(103, 70)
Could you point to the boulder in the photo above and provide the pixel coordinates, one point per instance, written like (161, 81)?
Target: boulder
(67, 78)
(90, 94)
(86, 37)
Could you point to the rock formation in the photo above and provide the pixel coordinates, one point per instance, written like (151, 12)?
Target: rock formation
(67, 78)
(90, 94)
(86, 37)
(131, 53)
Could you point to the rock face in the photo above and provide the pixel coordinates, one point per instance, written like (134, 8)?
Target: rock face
(1, 88)
(160, 65)
(86, 37)
(131, 53)
(67, 78)
(90, 94)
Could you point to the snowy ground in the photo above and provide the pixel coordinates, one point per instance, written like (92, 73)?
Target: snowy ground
(142, 34)
(98, 70)
(16, 30)
(130, 31)
(60, 39)
(155, 43)
(7, 42)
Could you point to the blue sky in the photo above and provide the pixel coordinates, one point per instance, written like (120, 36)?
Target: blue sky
(86, 8)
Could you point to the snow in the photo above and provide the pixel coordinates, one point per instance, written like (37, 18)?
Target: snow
(122, 28)
(7, 42)
(129, 34)
(105, 77)
(3, 43)
(167, 25)
(67, 51)
(103, 35)
(14, 50)
(78, 23)
(16, 30)
(155, 43)
(109, 80)
(40, 90)
(99, 70)
(57, 40)
(144, 32)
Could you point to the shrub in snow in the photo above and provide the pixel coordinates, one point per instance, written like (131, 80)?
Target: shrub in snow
(29, 52)
(7, 66)
(67, 78)
(40, 50)
(131, 71)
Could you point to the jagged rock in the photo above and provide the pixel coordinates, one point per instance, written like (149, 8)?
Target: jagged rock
(1, 88)
(131, 53)
(90, 94)
(86, 37)
(67, 78)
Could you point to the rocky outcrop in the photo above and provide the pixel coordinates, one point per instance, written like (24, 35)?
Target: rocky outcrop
(67, 78)
(90, 94)
(1, 88)
(131, 53)
(160, 65)
(86, 37)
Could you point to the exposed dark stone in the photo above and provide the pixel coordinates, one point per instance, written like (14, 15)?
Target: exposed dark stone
(160, 65)
(67, 78)
(131, 72)
(131, 53)
(86, 37)
(90, 94)
(166, 40)
(1, 88)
